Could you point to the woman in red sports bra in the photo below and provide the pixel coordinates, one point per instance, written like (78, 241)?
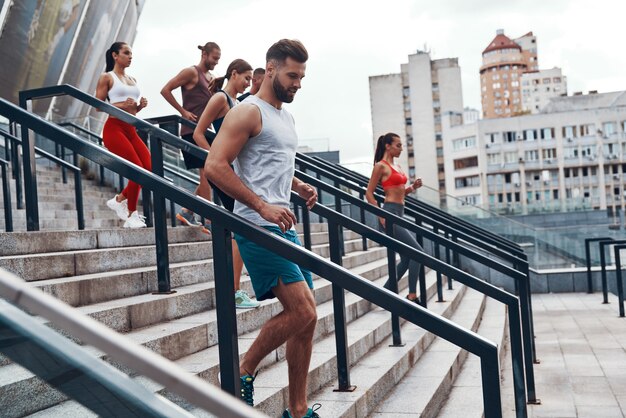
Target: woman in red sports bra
(394, 181)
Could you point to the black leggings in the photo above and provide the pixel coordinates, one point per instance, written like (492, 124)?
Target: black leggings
(408, 238)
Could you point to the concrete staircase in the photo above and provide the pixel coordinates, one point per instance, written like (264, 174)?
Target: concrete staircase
(57, 203)
(109, 274)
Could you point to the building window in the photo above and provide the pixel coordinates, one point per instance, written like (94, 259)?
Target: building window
(463, 182)
(509, 136)
(510, 157)
(530, 135)
(549, 153)
(408, 121)
(546, 80)
(406, 91)
(494, 158)
(609, 128)
(407, 106)
(547, 133)
(465, 163)
(435, 87)
(569, 132)
(532, 155)
(588, 129)
(556, 79)
(464, 143)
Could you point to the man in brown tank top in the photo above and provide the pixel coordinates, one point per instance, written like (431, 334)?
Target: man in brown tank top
(194, 84)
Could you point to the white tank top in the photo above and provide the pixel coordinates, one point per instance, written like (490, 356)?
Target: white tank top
(266, 162)
(120, 91)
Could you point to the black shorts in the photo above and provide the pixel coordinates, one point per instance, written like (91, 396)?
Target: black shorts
(191, 161)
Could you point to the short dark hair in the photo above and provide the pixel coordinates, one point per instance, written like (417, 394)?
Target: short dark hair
(287, 48)
(208, 47)
(258, 71)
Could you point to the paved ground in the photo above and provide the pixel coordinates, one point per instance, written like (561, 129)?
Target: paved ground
(581, 345)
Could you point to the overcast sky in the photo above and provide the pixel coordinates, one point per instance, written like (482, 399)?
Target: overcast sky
(349, 40)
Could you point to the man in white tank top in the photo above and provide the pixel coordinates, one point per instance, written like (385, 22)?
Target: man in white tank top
(259, 137)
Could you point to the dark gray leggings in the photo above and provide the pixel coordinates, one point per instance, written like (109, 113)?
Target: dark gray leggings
(408, 238)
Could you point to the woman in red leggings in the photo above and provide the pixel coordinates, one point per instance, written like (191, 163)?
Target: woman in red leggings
(119, 137)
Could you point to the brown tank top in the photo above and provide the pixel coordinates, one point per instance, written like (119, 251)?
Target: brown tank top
(195, 98)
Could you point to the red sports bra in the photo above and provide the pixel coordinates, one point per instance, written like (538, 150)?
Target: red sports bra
(395, 179)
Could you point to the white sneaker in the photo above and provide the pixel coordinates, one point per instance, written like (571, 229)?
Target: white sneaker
(120, 208)
(135, 220)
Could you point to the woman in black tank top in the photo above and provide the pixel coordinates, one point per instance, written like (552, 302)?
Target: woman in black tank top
(238, 74)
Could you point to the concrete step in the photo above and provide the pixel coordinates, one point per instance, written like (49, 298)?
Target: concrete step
(191, 336)
(18, 243)
(428, 382)
(205, 362)
(81, 262)
(465, 398)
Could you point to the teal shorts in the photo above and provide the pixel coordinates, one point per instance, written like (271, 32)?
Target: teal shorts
(266, 268)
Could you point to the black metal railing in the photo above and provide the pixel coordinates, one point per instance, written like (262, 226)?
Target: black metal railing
(449, 242)
(78, 185)
(588, 242)
(224, 221)
(6, 195)
(618, 277)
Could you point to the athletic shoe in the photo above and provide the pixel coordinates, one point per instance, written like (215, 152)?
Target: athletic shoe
(247, 388)
(120, 208)
(135, 220)
(187, 218)
(310, 413)
(206, 228)
(243, 301)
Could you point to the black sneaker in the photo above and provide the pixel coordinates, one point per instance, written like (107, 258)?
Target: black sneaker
(310, 413)
(247, 389)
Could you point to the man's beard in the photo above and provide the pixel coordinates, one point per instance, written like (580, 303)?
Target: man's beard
(281, 93)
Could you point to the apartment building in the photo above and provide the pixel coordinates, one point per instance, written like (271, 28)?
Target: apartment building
(539, 87)
(571, 155)
(411, 103)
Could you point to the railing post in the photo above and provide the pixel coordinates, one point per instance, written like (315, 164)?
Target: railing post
(78, 192)
(490, 373)
(160, 218)
(63, 169)
(618, 275)
(422, 279)
(339, 210)
(306, 227)
(30, 175)
(362, 213)
(439, 278)
(172, 213)
(588, 261)
(517, 359)
(225, 309)
(448, 259)
(605, 290)
(6, 196)
(530, 357)
(17, 170)
(339, 309)
(393, 281)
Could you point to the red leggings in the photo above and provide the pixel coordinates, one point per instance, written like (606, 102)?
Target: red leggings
(121, 139)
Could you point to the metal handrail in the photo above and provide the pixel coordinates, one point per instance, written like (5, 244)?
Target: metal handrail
(517, 357)
(78, 183)
(224, 221)
(521, 280)
(120, 348)
(359, 182)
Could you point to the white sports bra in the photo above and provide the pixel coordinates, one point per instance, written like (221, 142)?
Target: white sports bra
(121, 91)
